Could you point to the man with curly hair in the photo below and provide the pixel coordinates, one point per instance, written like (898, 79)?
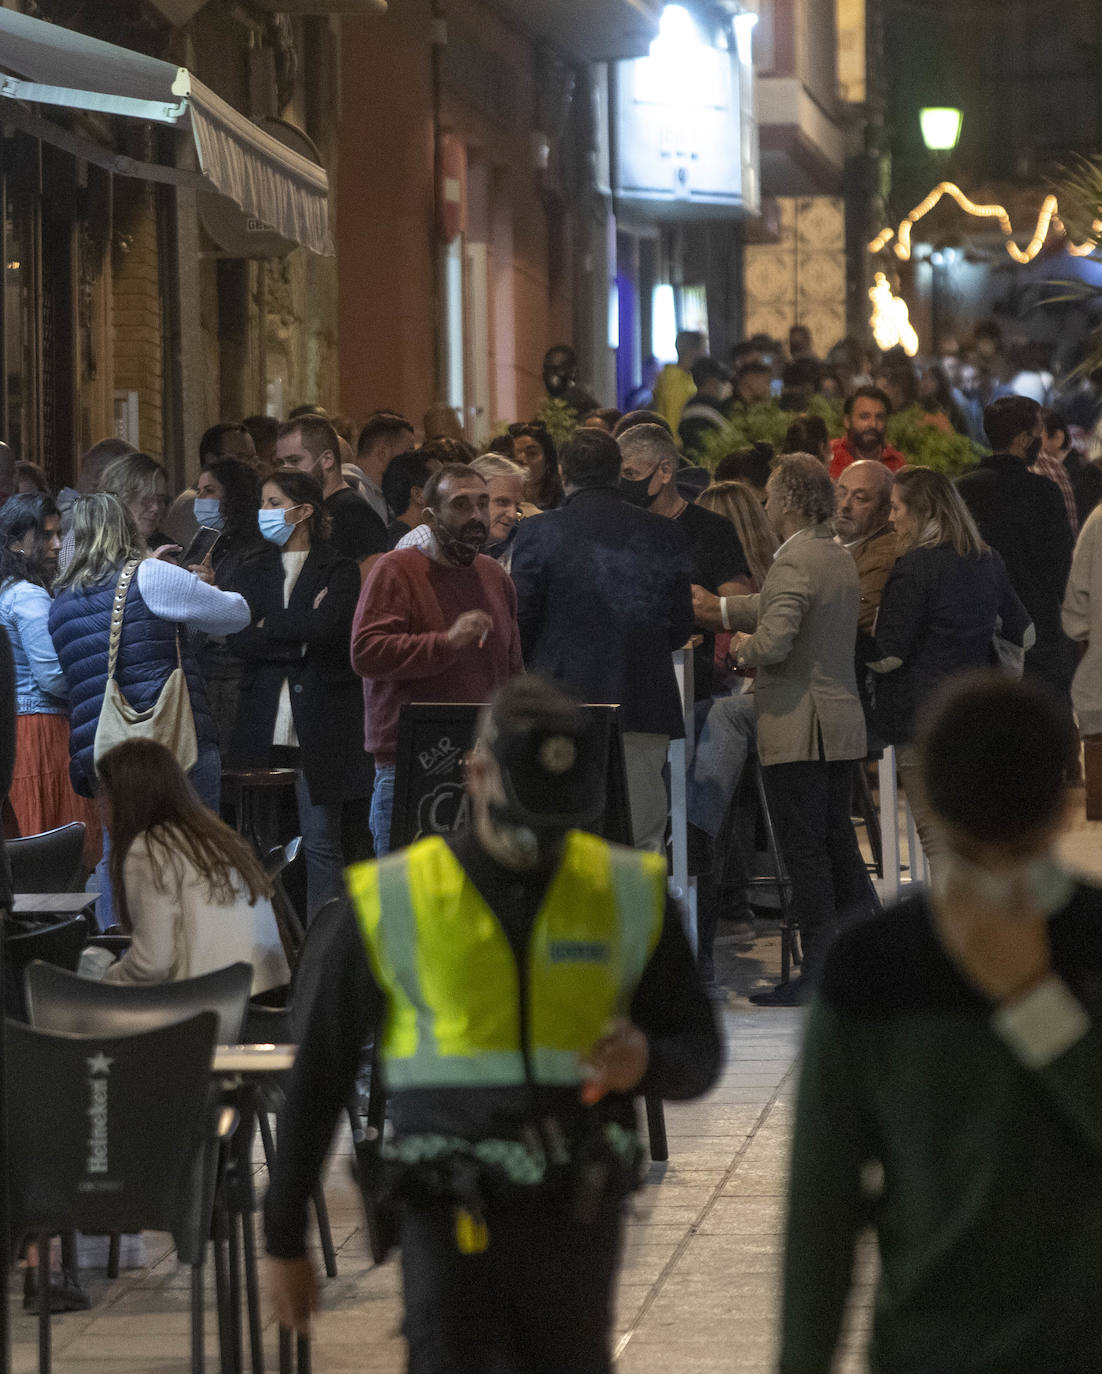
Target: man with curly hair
(803, 627)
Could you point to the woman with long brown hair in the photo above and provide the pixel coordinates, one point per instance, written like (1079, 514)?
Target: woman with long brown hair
(188, 889)
(942, 605)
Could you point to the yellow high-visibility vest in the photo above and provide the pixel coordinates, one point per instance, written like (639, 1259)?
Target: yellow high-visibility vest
(442, 959)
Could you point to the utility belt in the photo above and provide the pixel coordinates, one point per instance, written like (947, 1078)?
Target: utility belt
(579, 1177)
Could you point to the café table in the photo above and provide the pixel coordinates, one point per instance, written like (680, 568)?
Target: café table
(241, 1069)
(26, 904)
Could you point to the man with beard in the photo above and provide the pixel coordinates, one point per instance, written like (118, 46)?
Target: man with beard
(866, 413)
(432, 624)
(310, 443)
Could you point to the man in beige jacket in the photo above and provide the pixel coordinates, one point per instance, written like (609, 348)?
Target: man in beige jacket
(803, 626)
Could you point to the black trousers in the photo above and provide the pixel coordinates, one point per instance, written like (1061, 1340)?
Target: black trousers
(810, 805)
(536, 1301)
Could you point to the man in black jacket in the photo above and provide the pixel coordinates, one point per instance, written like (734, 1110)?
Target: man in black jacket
(513, 1137)
(603, 598)
(1023, 517)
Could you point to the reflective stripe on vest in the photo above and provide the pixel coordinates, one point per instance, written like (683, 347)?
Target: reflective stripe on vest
(445, 965)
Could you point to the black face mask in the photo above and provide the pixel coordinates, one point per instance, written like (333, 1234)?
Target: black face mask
(636, 491)
(462, 548)
(1033, 451)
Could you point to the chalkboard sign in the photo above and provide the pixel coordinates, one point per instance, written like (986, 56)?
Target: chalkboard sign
(429, 796)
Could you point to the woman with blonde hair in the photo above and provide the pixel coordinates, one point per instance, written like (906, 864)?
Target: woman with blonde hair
(159, 603)
(945, 600)
(741, 504)
(141, 484)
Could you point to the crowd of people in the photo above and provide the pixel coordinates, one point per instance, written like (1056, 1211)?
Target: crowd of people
(303, 590)
(280, 612)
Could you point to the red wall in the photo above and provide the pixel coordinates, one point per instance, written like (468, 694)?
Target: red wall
(385, 235)
(385, 213)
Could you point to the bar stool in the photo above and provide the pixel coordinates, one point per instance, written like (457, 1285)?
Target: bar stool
(751, 792)
(865, 810)
(254, 794)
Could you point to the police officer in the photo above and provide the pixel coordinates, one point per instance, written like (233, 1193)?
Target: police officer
(529, 979)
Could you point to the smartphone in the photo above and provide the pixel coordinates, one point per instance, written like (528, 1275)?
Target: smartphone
(204, 543)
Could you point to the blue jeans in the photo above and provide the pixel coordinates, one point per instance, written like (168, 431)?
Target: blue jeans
(382, 807)
(206, 778)
(729, 737)
(321, 844)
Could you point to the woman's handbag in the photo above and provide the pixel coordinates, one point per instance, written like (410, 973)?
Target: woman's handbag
(168, 721)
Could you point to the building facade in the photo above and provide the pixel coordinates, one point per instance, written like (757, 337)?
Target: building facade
(134, 300)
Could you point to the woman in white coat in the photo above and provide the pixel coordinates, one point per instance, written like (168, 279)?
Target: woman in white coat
(191, 893)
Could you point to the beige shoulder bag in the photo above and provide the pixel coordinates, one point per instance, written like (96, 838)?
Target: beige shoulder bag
(169, 720)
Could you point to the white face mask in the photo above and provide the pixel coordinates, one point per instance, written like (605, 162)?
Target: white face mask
(1047, 884)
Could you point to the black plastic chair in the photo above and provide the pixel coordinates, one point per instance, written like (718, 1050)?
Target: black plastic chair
(288, 924)
(49, 862)
(752, 799)
(94, 1144)
(56, 945)
(60, 1001)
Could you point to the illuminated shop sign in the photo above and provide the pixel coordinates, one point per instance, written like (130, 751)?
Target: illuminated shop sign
(684, 136)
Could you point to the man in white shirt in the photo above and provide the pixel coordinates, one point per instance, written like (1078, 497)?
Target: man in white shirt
(383, 437)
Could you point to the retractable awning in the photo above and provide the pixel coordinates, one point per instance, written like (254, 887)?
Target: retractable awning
(45, 64)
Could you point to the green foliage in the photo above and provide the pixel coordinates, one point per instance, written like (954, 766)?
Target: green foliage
(925, 445)
(559, 419)
(766, 423)
(1079, 192)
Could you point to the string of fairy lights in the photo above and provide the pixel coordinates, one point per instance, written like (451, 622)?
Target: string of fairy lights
(1048, 221)
(890, 320)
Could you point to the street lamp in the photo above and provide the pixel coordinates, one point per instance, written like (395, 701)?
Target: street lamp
(940, 127)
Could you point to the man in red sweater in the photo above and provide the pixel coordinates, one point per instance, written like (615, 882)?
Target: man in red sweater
(433, 624)
(866, 413)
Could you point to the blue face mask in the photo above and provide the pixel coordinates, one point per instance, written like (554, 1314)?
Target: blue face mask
(273, 526)
(208, 512)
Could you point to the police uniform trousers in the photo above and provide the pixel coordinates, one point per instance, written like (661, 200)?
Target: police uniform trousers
(536, 1301)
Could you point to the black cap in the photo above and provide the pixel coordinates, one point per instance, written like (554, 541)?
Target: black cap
(708, 369)
(552, 769)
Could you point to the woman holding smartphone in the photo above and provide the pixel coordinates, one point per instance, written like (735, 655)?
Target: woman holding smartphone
(227, 499)
(301, 703)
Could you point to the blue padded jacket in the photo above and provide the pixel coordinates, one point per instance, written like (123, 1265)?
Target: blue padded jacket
(80, 623)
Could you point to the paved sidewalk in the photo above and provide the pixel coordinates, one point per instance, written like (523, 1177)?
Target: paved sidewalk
(699, 1286)
(698, 1290)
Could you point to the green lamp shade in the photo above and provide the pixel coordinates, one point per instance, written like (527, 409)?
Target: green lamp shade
(940, 127)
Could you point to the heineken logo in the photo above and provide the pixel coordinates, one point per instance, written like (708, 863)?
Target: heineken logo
(99, 1067)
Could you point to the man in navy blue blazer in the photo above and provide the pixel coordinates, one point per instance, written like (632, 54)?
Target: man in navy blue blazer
(604, 597)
